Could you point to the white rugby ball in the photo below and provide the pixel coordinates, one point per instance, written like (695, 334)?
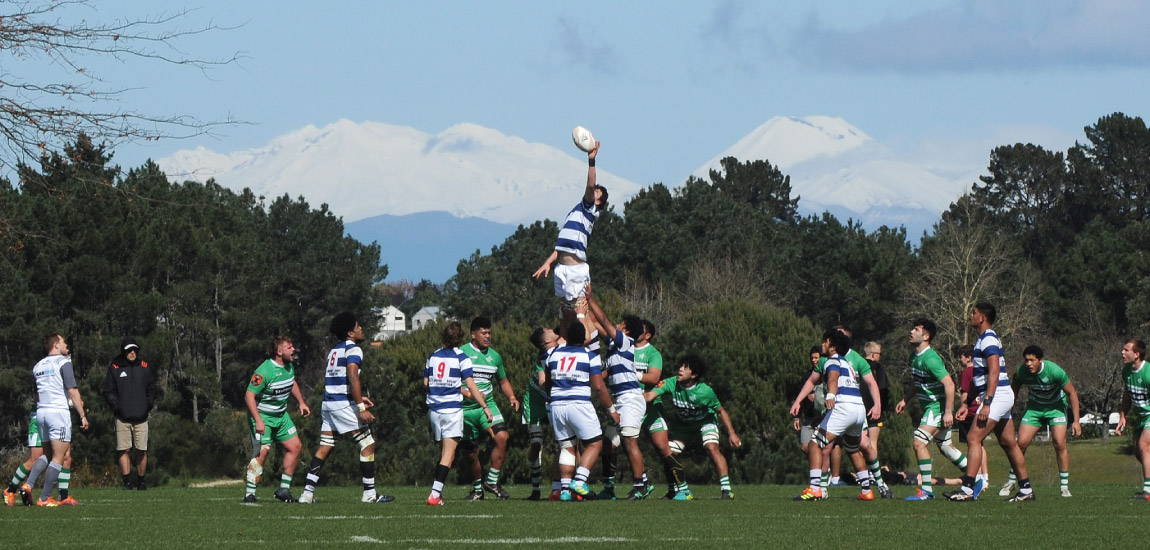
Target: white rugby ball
(583, 139)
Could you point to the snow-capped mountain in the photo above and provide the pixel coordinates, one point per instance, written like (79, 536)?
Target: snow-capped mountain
(836, 167)
(367, 169)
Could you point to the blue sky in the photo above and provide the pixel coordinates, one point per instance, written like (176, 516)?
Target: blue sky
(664, 85)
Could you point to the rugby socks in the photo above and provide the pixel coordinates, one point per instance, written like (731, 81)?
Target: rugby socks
(493, 476)
(50, 480)
(285, 481)
(564, 483)
(64, 481)
(477, 485)
(863, 477)
(1064, 479)
(556, 485)
(1146, 485)
(536, 474)
(824, 480)
(581, 474)
(127, 479)
(875, 472)
(639, 483)
(1024, 486)
(21, 475)
(968, 484)
(1012, 478)
(926, 468)
(816, 474)
(673, 471)
(608, 461)
(725, 483)
(37, 469)
(313, 470)
(440, 477)
(367, 471)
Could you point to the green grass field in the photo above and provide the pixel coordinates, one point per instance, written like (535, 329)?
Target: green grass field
(1099, 514)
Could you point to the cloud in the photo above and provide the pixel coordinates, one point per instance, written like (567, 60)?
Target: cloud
(579, 48)
(987, 36)
(736, 35)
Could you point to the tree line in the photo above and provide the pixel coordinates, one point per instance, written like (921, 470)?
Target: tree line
(724, 266)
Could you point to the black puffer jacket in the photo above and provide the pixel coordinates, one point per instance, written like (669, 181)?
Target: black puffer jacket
(129, 387)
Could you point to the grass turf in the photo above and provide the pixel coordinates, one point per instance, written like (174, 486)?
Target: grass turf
(762, 516)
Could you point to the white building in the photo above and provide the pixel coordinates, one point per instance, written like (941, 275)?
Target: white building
(392, 322)
(425, 315)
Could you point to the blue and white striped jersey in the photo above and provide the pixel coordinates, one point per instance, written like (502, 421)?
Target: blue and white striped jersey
(621, 375)
(848, 381)
(54, 378)
(988, 345)
(571, 369)
(336, 392)
(577, 229)
(445, 372)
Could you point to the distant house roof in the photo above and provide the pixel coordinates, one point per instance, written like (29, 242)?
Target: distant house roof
(426, 314)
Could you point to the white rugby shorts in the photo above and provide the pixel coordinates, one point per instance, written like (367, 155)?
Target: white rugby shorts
(846, 419)
(55, 424)
(340, 421)
(446, 424)
(571, 280)
(1000, 408)
(575, 419)
(631, 407)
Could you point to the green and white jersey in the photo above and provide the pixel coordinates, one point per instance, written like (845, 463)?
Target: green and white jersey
(272, 385)
(858, 362)
(1045, 386)
(646, 358)
(694, 404)
(487, 369)
(533, 380)
(1138, 384)
(928, 371)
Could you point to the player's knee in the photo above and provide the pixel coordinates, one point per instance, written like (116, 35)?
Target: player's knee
(499, 431)
(921, 438)
(850, 446)
(629, 431)
(821, 440)
(567, 452)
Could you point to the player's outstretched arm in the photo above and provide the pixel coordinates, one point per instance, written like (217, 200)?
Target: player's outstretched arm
(589, 191)
(605, 327)
(807, 388)
(546, 267)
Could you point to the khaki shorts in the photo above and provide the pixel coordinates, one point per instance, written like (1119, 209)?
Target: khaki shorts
(129, 435)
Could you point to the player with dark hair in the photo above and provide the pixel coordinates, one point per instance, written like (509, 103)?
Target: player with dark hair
(266, 399)
(935, 390)
(345, 408)
(996, 398)
(1050, 389)
(571, 378)
(572, 272)
(534, 415)
(649, 367)
(447, 371)
(627, 394)
(487, 367)
(697, 414)
(1135, 411)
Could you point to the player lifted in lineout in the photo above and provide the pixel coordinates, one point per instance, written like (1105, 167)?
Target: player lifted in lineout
(571, 272)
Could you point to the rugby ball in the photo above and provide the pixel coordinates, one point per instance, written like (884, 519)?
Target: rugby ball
(583, 139)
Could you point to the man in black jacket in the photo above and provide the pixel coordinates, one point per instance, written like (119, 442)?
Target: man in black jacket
(130, 390)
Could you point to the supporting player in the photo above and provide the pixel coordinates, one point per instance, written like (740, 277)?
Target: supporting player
(572, 273)
(266, 399)
(697, 414)
(993, 414)
(28, 472)
(627, 393)
(487, 367)
(967, 395)
(534, 411)
(1046, 406)
(571, 377)
(345, 409)
(930, 381)
(649, 366)
(447, 371)
(55, 387)
(1135, 411)
(846, 415)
